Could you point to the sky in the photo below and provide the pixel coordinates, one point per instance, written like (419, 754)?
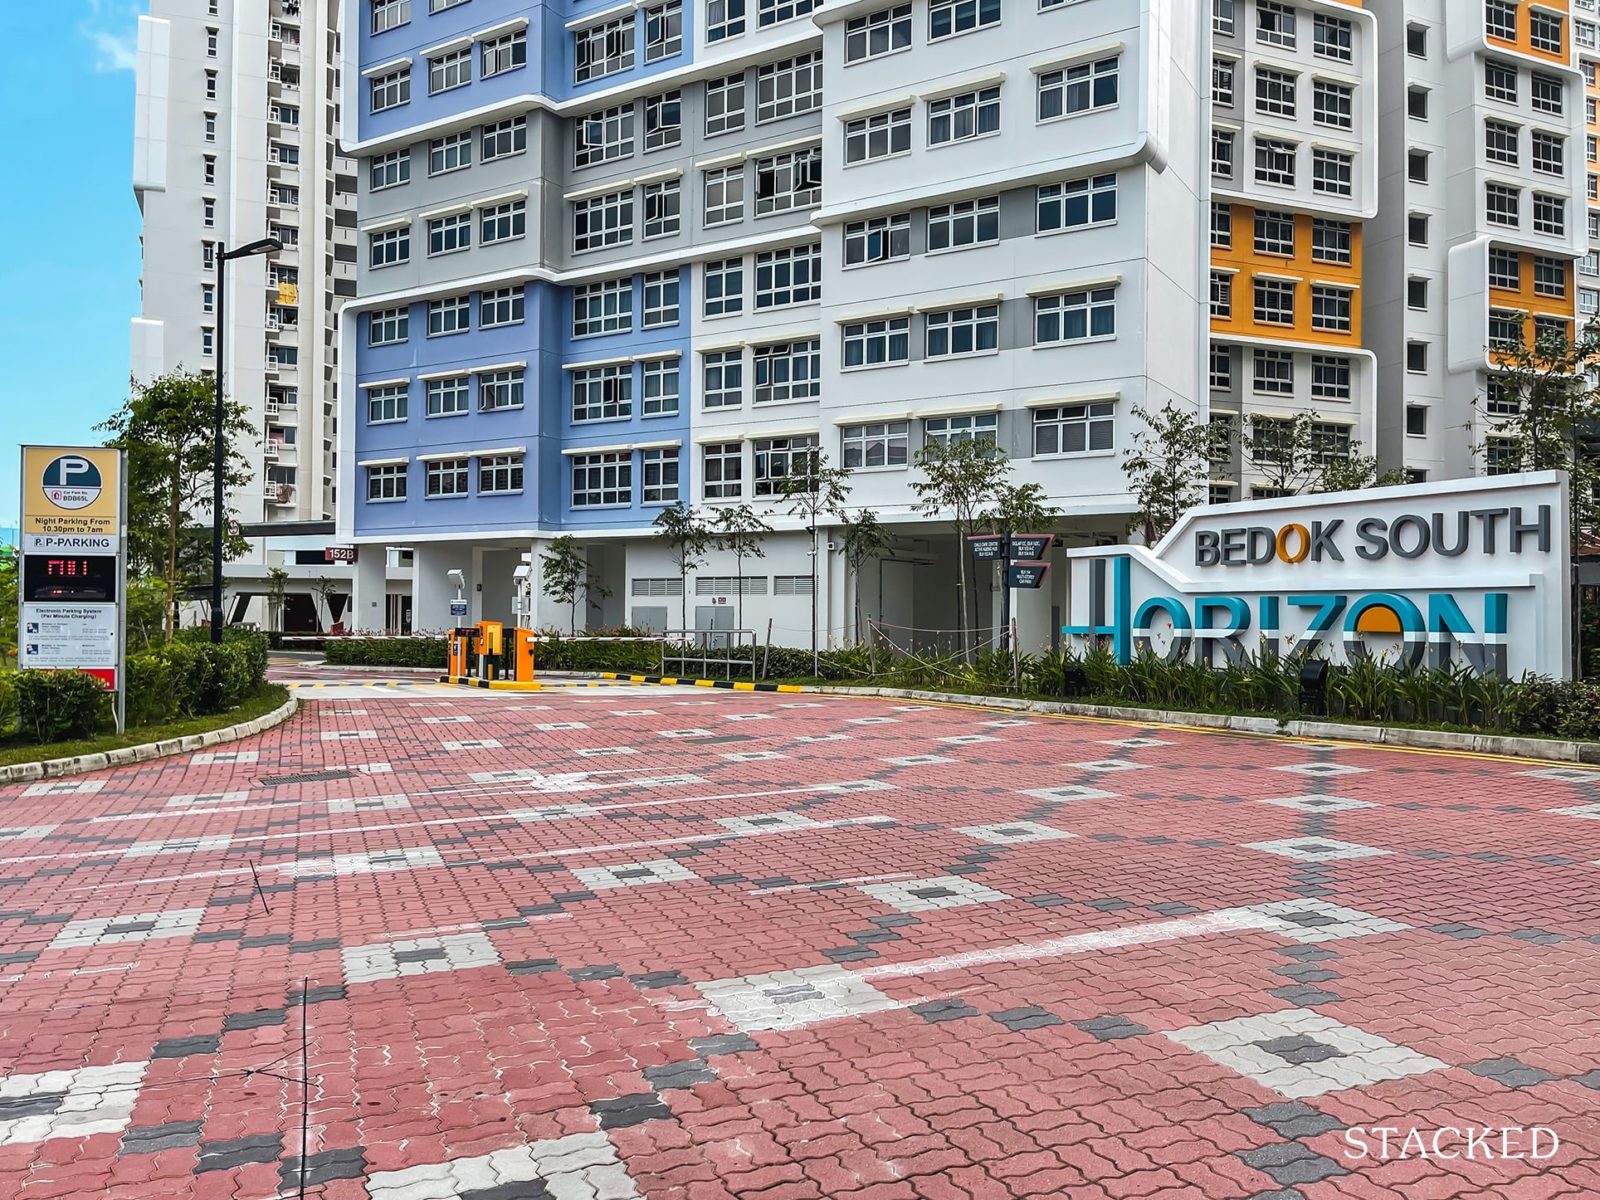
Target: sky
(69, 226)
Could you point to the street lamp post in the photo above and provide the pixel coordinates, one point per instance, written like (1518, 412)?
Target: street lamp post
(219, 449)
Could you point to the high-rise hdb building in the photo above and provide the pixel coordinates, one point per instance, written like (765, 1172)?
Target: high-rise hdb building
(235, 140)
(617, 256)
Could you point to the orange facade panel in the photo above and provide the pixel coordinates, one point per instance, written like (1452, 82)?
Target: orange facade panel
(1287, 276)
(1536, 295)
(1541, 30)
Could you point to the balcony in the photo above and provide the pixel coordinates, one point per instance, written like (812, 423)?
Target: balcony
(280, 493)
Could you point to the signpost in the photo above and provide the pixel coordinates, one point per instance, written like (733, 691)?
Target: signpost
(74, 573)
(1023, 556)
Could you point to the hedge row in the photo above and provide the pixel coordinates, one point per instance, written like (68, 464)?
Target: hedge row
(187, 678)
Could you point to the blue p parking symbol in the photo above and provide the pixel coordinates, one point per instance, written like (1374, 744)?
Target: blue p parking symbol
(71, 482)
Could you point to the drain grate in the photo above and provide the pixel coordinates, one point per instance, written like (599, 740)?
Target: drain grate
(306, 777)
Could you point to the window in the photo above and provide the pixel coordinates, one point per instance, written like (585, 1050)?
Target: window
(1275, 92)
(1275, 24)
(602, 393)
(505, 53)
(875, 444)
(968, 427)
(1330, 441)
(788, 181)
(792, 276)
(603, 136)
(1417, 294)
(211, 43)
(963, 331)
(1331, 38)
(389, 170)
(1416, 420)
(1076, 89)
(1221, 225)
(1500, 142)
(1549, 276)
(1330, 241)
(963, 224)
(1274, 232)
(1077, 203)
(660, 299)
(387, 403)
(1505, 328)
(211, 85)
(878, 343)
(211, 126)
(1275, 161)
(1274, 301)
(722, 379)
(723, 286)
(450, 153)
(773, 12)
(776, 459)
(499, 390)
(1547, 330)
(1501, 204)
(946, 18)
(602, 480)
(208, 298)
(208, 212)
(1330, 308)
(603, 49)
(724, 195)
(663, 207)
(1333, 104)
(1332, 172)
(1222, 81)
(1417, 229)
(446, 235)
(602, 221)
(1500, 401)
(1544, 30)
(388, 248)
(501, 306)
(604, 307)
(1074, 428)
(1273, 372)
(450, 315)
(878, 136)
(1505, 269)
(1222, 295)
(211, 170)
(788, 87)
(448, 397)
(663, 30)
(388, 326)
(449, 71)
(1549, 153)
(1417, 166)
(387, 14)
(1499, 456)
(724, 19)
(505, 138)
(722, 470)
(1075, 316)
(660, 387)
(663, 120)
(504, 222)
(659, 484)
(1330, 377)
(1500, 19)
(1549, 214)
(208, 341)
(1499, 81)
(1589, 302)
(787, 371)
(880, 239)
(725, 105)
(387, 482)
(1548, 93)
(500, 475)
(1221, 367)
(1222, 17)
(877, 34)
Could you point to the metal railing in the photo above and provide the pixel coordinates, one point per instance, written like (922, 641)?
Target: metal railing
(710, 650)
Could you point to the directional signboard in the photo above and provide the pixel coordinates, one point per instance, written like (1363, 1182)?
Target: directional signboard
(1026, 574)
(1030, 547)
(988, 547)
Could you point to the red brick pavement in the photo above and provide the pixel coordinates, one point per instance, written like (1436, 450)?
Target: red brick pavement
(1045, 964)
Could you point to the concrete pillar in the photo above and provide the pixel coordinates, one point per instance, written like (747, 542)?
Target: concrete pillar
(432, 590)
(369, 591)
(827, 582)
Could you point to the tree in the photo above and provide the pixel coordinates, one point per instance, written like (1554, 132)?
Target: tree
(1020, 508)
(8, 618)
(166, 428)
(864, 538)
(1298, 454)
(738, 529)
(277, 590)
(565, 572)
(960, 477)
(813, 488)
(1169, 465)
(325, 589)
(687, 538)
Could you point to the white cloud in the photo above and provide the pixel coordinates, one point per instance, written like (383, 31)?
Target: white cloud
(111, 30)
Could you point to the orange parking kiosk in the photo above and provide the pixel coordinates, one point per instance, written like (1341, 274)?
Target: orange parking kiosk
(459, 642)
(522, 664)
(488, 646)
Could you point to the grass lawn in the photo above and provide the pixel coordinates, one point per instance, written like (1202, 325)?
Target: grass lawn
(13, 750)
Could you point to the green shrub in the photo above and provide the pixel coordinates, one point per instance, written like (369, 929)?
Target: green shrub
(386, 652)
(55, 705)
(8, 701)
(193, 678)
(153, 689)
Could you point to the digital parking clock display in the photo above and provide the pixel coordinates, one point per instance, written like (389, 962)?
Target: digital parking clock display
(88, 578)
